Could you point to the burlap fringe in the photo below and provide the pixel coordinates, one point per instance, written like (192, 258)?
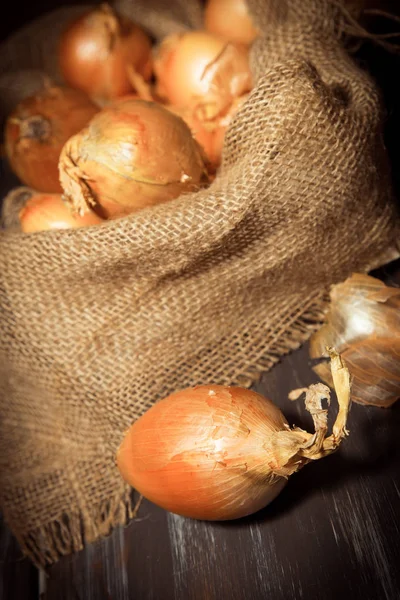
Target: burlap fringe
(66, 535)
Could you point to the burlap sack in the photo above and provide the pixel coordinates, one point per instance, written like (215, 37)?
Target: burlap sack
(97, 324)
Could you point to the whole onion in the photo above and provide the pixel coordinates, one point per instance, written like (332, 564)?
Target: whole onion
(42, 212)
(97, 51)
(217, 452)
(37, 130)
(199, 69)
(133, 154)
(230, 20)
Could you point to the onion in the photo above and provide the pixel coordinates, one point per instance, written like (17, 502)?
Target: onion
(37, 130)
(200, 69)
(201, 131)
(216, 452)
(132, 155)
(230, 20)
(364, 324)
(96, 50)
(210, 133)
(47, 211)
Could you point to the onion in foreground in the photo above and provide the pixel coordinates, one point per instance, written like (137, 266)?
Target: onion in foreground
(132, 155)
(216, 452)
(37, 130)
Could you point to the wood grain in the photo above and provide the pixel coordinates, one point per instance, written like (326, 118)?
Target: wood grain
(333, 532)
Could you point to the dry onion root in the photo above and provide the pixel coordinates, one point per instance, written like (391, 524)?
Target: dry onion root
(216, 452)
(363, 323)
(132, 155)
(99, 50)
(37, 130)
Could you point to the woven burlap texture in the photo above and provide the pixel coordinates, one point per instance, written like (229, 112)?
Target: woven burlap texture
(99, 323)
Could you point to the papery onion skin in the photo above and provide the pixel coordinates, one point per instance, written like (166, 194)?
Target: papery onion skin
(37, 130)
(199, 453)
(134, 154)
(180, 65)
(43, 212)
(96, 50)
(230, 20)
(363, 323)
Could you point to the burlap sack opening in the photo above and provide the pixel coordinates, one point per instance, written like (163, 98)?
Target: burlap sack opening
(99, 323)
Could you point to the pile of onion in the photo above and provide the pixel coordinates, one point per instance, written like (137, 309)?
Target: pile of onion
(98, 50)
(133, 154)
(230, 20)
(38, 128)
(216, 452)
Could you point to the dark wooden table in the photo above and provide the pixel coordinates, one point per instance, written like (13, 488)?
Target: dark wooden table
(332, 533)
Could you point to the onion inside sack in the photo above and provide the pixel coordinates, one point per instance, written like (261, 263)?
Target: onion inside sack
(230, 20)
(216, 452)
(200, 70)
(98, 52)
(42, 212)
(37, 130)
(133, 154)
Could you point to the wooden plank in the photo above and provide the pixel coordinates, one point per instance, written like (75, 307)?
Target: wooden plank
(18, 577)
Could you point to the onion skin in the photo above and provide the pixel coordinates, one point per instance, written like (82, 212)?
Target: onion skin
(37, 130)
(96, 50)
(230, 20)
(43, 212)
(134, 154)
(188, 72)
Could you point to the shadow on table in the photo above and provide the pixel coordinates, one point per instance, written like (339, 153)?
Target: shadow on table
(372, 448)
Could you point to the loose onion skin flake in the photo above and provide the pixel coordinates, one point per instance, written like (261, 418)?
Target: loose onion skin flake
(37, 130)
(43, 212)
(132, 155)
(216, 452)
(200, 70)
(97, 51)
(230, 20)
(363, 323)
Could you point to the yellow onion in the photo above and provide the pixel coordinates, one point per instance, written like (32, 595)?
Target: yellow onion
(37, 130)
(132, 155)
(97, 50)
(199, 69)
(42, 212)
(230, 20)
(216, 452)
(364, 324)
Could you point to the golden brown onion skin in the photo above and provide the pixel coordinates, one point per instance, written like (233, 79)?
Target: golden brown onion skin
(133, 154)
(230, 20)
(43, 212)
(97, 48)
(203, 452)
(37, 130)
